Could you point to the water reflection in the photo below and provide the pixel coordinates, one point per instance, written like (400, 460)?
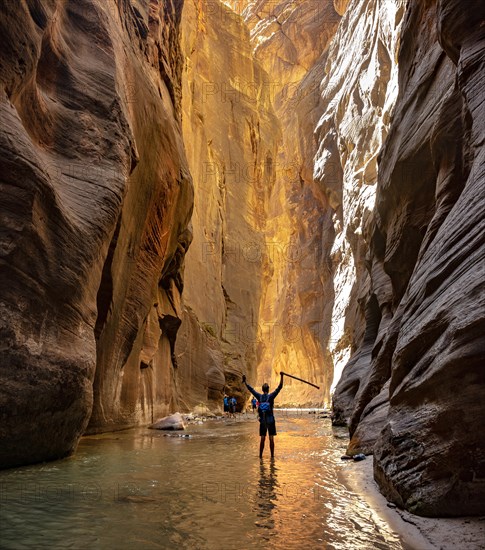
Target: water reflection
(139, 489)
(267, 494)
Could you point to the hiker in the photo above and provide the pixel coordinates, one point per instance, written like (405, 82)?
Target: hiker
(233, 403)
(253, 403)
(265, 410)
(226, 404)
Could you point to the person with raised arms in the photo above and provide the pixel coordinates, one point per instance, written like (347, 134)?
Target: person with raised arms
(267, 423)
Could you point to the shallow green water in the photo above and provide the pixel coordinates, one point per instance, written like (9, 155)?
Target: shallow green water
(141, 489)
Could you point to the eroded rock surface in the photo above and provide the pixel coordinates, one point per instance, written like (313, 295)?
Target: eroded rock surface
(231, 135)
(95, 202)
(254, 291)
(359, 90)
(426, 264)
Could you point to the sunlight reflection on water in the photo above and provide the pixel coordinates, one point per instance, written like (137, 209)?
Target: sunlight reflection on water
(141, 489)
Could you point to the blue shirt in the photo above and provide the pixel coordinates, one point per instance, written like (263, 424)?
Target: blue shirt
(271, 396)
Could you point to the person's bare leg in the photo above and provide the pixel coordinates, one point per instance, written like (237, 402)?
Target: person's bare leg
(271, 445)
(261, 446)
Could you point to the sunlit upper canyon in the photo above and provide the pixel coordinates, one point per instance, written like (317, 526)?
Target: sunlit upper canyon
(196, 191)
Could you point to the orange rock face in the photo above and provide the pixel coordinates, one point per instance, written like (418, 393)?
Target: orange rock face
(254, 293)
(231, 135)
(95, 201)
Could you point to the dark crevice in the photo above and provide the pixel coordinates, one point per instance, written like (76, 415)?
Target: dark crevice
(104, 297)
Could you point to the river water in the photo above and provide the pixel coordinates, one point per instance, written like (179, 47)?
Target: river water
(141, 488)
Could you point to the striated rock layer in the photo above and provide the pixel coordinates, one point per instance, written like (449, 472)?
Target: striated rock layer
(231, 136)
(417, 403)
(254, 292)
(359, 90)
(94, 205)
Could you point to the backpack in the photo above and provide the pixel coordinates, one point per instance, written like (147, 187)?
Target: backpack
(264, 406)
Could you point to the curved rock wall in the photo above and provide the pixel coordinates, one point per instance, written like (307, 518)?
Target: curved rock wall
(417, 402)
(359, 90)
(95, 202)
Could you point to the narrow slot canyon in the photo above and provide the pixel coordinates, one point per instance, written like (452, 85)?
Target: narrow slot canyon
(196, 193)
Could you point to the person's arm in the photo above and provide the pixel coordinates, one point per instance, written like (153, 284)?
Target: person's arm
(278, 389)
(252, 390)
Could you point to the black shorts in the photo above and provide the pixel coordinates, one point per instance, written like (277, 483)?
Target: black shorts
(269, 427)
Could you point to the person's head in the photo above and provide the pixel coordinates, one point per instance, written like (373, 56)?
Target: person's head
(265, 388)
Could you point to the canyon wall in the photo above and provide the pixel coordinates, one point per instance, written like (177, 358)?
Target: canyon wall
(412, 392)
(238, 106)
(290, 40)
(255, 294)
(231, 135)
(95, 202)
(359, 90)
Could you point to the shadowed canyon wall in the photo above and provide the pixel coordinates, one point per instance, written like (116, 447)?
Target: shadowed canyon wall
(359, 89)
(95, 201)
(412, 393)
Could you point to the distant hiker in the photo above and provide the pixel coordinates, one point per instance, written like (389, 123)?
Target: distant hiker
(265, 410)
(226, 404)
(253, 403)
(233, 402)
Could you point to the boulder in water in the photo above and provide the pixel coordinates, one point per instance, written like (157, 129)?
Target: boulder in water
(171, 422)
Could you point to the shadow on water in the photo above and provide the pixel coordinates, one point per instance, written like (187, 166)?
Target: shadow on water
(146, 489)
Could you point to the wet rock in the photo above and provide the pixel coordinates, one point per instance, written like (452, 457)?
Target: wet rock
(171, 422)
(371, 424)
(358, 457)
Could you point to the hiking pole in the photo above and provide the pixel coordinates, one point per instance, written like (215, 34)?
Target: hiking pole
(300, 380)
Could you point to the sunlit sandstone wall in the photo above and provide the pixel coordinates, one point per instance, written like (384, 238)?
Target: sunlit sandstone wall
(231, 136)
(95, 201)
(418, 402)
(336, 68)
(289, 40)
(311, 211)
